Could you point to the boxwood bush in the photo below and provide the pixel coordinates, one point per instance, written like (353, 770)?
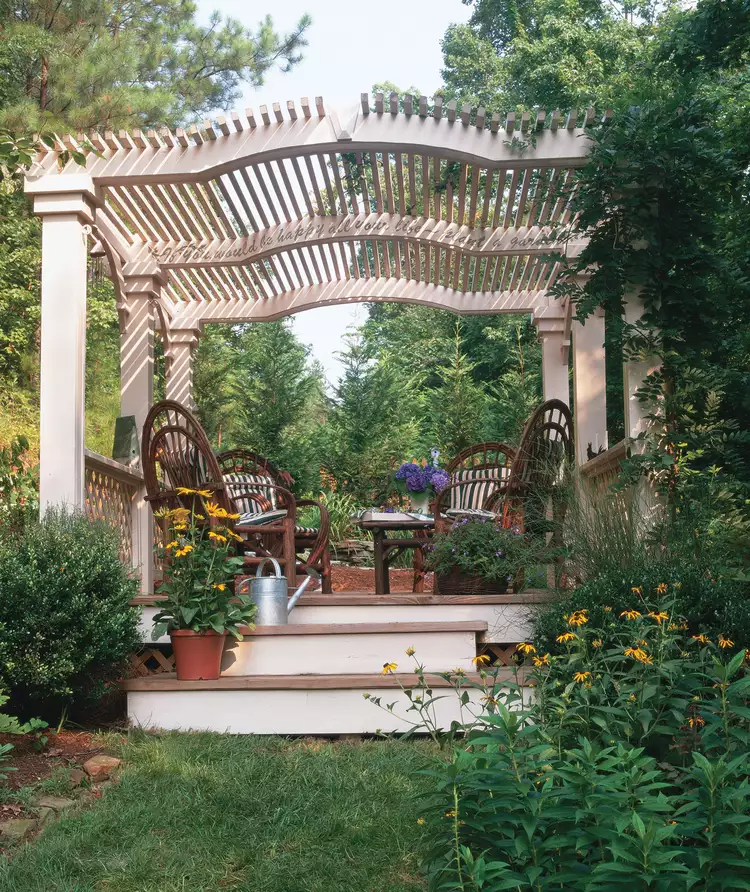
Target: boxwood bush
(66, 626)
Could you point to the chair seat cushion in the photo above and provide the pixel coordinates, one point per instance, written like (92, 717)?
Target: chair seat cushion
(471, 512)
(305, 531)
(260, 518)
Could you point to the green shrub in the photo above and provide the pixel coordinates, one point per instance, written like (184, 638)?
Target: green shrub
(712, 603)
(627, 771)
(65, 623)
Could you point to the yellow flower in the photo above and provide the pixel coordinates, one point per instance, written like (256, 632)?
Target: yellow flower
(451, 813)
(410, 651)
(636, 590)
(217, 537)
(420, 820)
(185, 491)
(608, 610)
(678, 585)
(171, 545)
(480, 660)
(579, 618)
(725, 642)
(214, 510)
(181, 552)
(702, 639)
(661, 588)
(220, 586)
(233, 535)
(459, 671)
(389, 668)
(180, 514)
(180, 527)
(597, 642)
(565, 637)
(696, 721)
(637, 653)
(630, 614)
(581, 676)
(659, 617)
(542, 661)
(489, 700)
(632, 698)
(525, 648)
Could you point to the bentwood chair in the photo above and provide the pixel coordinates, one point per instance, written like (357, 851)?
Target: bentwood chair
(250, 483)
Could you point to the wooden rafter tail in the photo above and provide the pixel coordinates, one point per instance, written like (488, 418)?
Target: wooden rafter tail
(422, 106)
(525, 122)
(590, 116)
(466, 114)
(320, 107)
(452, 111)
(125, 140)
(541, 117)
(221, 123)
(167, 137)
(495, 122)
(181, 137)
(305, 105)
(437, 108)
(379, 103)
(237, 122)
(153, 139)
(97, 141)
(481, 117)
(277, 113)
(250, 115)
(570, 123)
(291, 110)
(364, 101)
(393, 100)
(264, 115)
(510, 122)
(556, 119)
(408, 105)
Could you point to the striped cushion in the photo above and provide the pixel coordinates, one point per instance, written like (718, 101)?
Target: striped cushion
(472, 496)
(305, 531)
(258, 483)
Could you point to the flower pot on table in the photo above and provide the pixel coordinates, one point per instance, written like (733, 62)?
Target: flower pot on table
(197, 655)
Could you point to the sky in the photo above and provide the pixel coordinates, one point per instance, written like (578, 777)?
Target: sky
(351, 47)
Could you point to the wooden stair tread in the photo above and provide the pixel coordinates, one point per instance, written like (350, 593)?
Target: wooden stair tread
(169, 682)
(368, 599)
(477, 626)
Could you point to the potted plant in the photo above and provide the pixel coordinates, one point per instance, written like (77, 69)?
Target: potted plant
(421, 481)
(201, 606)
(477, 557)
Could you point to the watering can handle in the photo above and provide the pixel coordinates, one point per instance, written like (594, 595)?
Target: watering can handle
(262, 564)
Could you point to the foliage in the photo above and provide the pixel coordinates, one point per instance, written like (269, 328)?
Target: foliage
(315, 803)
(413, 477)
(9, 724)
(479, 547)
(201, 566)
(19, 496)
(628, 770)
(65, 621)
(74, 67)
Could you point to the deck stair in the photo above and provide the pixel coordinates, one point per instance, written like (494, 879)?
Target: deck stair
(309, 677)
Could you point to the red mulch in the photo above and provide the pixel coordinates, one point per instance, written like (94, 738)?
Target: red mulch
(361, 579)
(68, 748)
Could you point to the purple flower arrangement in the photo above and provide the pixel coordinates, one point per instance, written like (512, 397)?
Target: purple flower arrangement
(418, 478)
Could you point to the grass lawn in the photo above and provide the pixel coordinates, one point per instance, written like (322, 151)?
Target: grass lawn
(196, 812)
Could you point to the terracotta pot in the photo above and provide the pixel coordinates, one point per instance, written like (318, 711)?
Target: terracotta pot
(197, 654)
(458, 583)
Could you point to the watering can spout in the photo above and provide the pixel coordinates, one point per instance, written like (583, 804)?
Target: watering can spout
(311, 574)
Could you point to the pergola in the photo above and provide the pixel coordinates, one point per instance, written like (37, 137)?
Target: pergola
(256, 217)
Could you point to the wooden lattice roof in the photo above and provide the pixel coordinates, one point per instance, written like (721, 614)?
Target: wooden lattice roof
(256, 216)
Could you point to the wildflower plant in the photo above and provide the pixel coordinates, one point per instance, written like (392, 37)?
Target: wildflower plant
(199, 555)
(620, 762)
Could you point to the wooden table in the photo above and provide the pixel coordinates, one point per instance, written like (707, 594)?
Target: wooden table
(386, 549)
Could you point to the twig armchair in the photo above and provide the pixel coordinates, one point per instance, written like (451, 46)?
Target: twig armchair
(479, 477)
(176, 453)
(251, 482)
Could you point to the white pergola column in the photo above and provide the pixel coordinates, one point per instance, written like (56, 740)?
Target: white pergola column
(65, 221)
(635, 373)
(555, 349)
(182, 345)
(589, 385)
(136, 398)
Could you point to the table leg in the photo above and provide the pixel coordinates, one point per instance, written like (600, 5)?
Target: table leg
(418, 564)
(381, 571)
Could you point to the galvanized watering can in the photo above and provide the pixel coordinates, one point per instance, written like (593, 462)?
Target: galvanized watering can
(271, 594)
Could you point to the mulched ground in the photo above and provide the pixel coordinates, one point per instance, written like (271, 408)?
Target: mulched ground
(32, 764)
(361, 579)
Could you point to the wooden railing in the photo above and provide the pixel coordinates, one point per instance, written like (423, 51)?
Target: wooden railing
(115, 494)
(602, 471)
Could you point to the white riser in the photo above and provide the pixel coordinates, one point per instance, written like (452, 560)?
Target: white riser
(278, 712)
(507, 623)
(342, 654)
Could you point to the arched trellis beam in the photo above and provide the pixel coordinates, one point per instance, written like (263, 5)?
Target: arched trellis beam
(316, 231)
(173, 159)
(191, 314)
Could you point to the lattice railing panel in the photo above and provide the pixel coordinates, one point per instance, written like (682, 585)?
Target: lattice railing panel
(110, 490)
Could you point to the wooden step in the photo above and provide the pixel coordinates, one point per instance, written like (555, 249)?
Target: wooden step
(345, 648)
(278, 704)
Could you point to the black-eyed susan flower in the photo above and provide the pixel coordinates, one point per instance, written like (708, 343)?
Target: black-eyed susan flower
(181, 552)
(566, 637)
(409, 651)
(542, 661)
(217, 537)
(220, 586)
(597, 642)
(526, 648)
(636, 590)
(630, 614)
(480, 659)
(581, 676)
(659, 616)
(661, 588)
(701, 639)
(186, 491)
(579, 618)
(389, 668)
(725, 642)
(695, 721)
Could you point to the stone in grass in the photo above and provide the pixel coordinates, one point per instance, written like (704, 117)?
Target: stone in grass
(56, 803)
(76, 777)
(99, 767)
(17, 829)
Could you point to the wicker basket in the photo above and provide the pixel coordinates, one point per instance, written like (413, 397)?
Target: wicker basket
(458, 583)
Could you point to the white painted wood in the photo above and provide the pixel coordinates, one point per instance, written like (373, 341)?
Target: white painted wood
(555, 376)
(282, 711)
(63, 349)
(179, 378)
(506, 623)
(635, 373)
(356, 653)
(589, 385)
